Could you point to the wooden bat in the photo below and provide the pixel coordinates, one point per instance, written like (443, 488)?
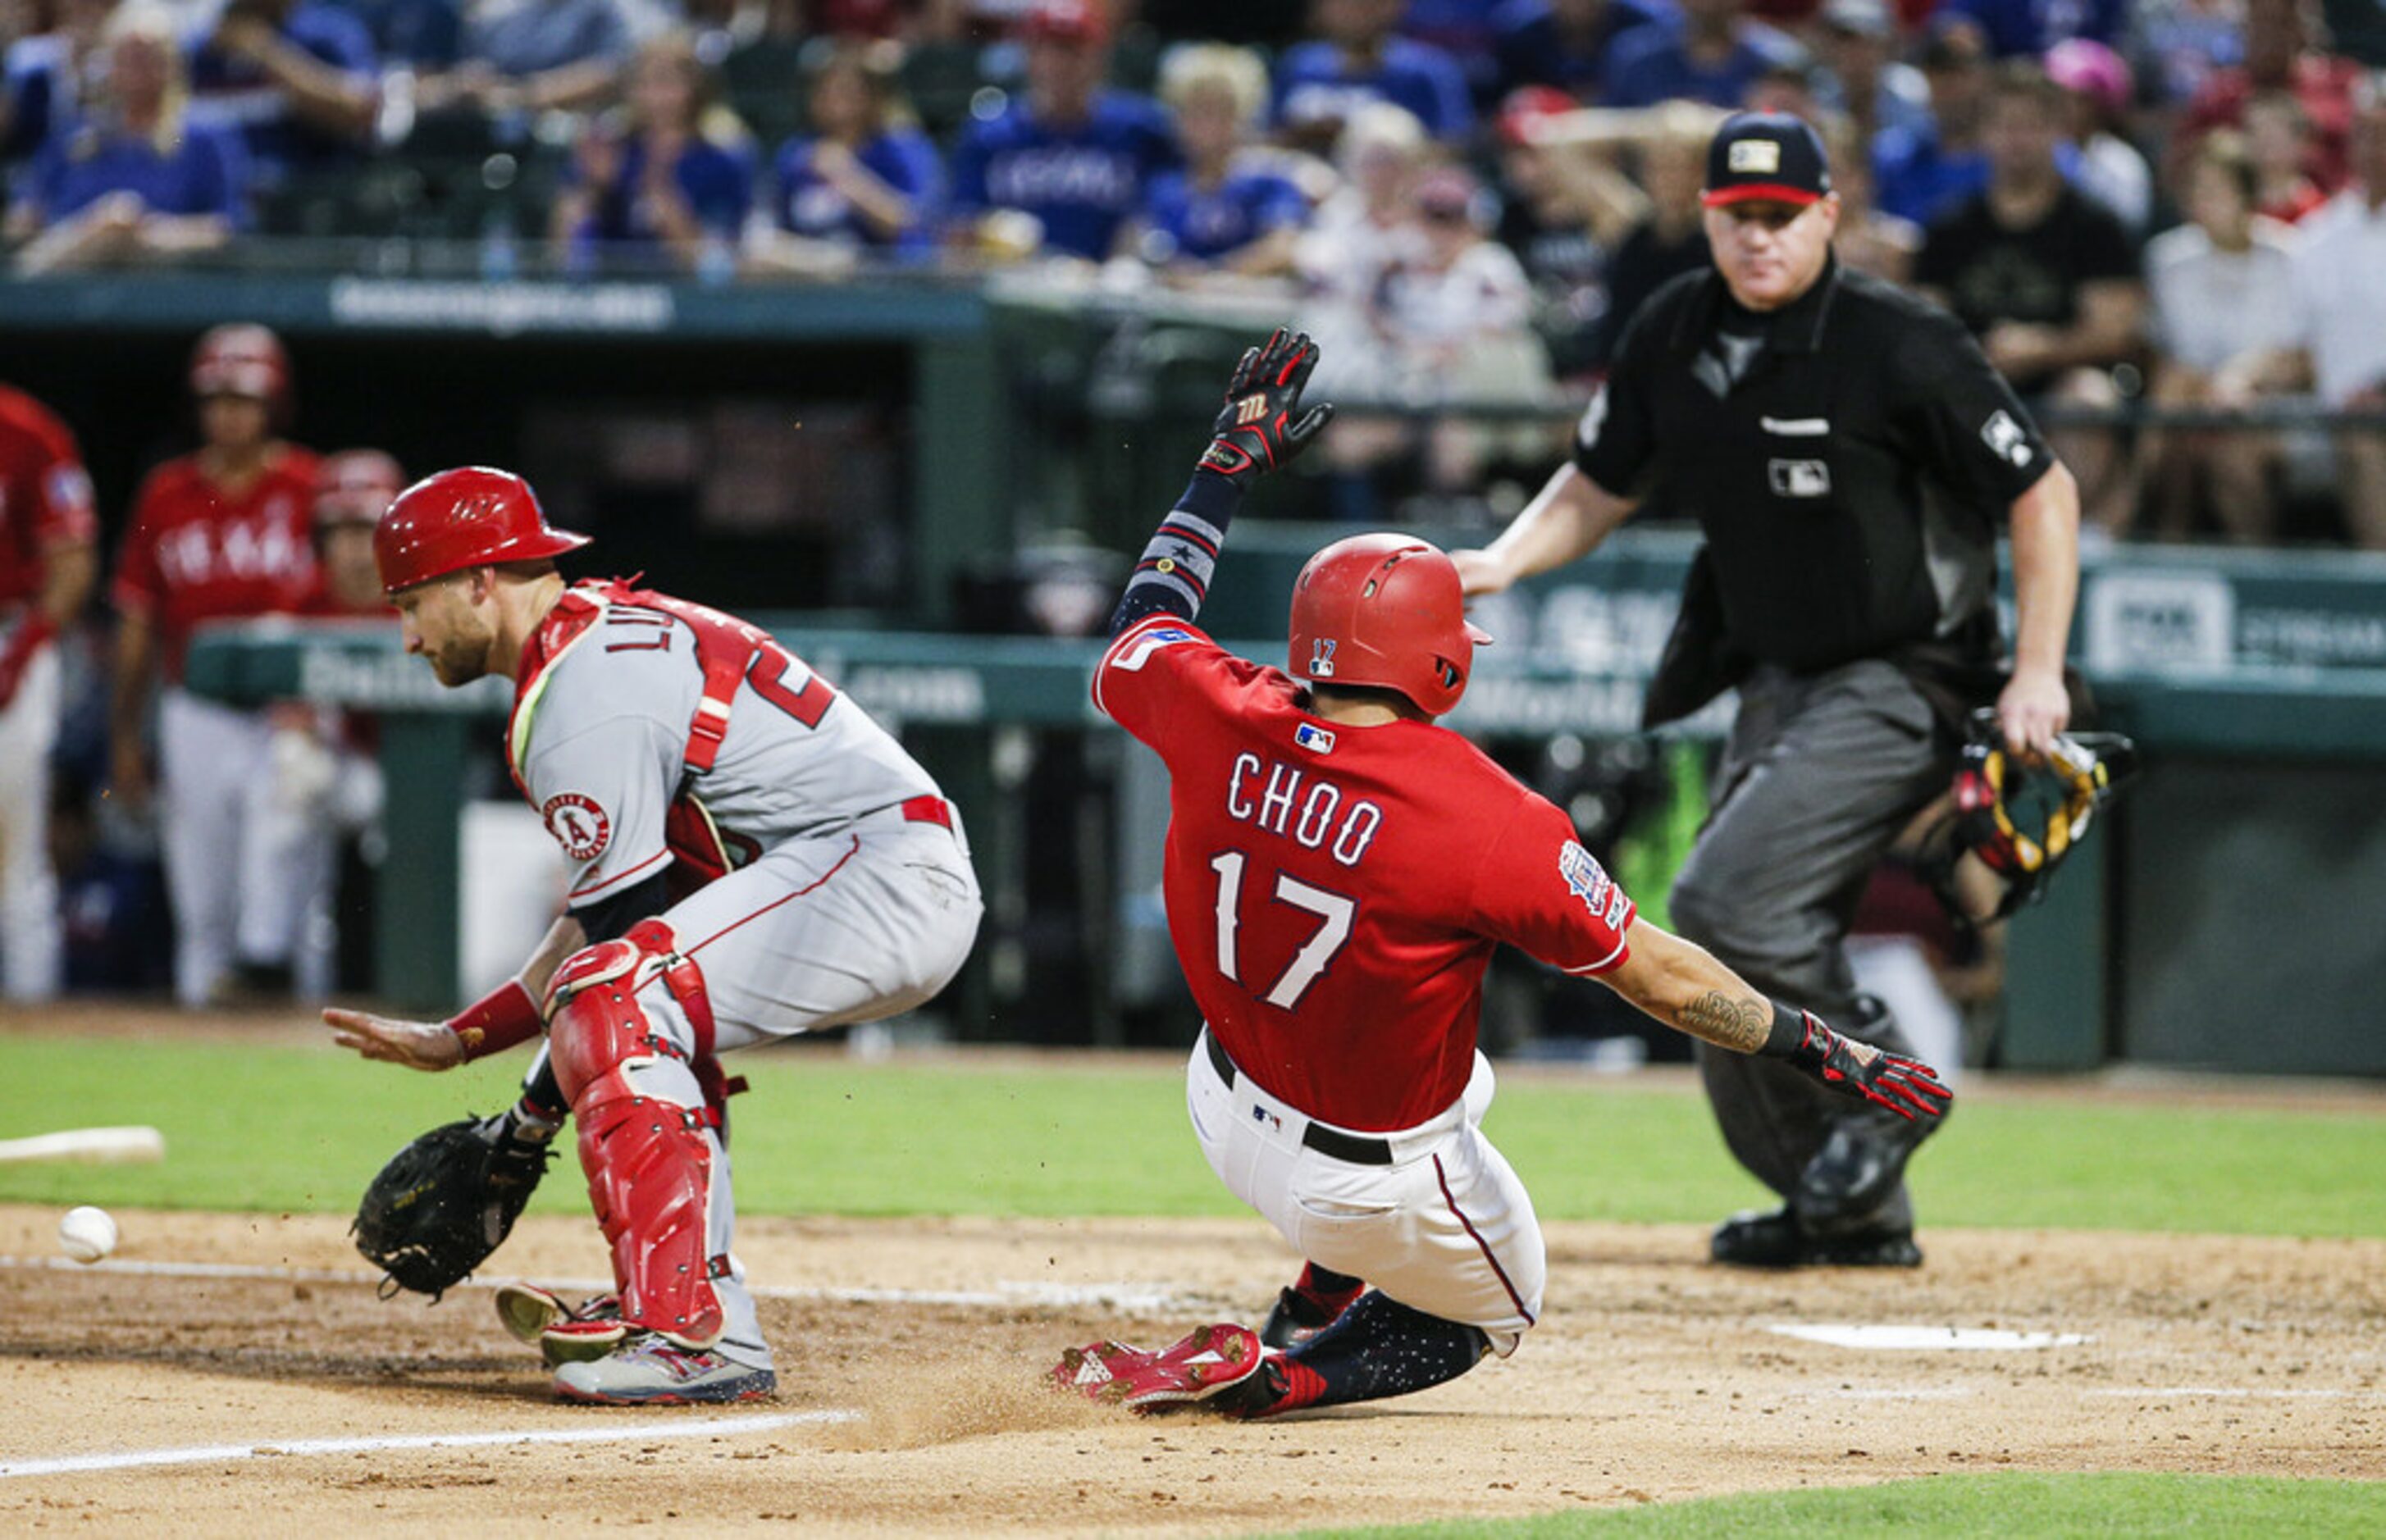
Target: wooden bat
(110, 1147)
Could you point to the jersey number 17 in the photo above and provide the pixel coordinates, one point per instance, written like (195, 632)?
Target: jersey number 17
(1334, 912)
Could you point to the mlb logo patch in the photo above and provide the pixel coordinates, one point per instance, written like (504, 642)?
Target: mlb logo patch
(1755, 156)
(1314, 738)
(1799, 477)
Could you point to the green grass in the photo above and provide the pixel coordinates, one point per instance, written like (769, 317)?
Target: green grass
(2043, 1507)
(295, 1128)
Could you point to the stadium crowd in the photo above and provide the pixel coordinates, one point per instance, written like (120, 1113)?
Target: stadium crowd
(2173, 205)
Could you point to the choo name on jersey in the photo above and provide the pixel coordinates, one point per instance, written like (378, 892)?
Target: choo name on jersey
(1303, 807)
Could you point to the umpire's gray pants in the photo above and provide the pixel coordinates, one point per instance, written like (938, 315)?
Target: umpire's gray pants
(1821, 774)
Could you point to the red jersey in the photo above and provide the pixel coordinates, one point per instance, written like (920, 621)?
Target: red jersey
(1335, 893)
(197, 554)
(44, 494)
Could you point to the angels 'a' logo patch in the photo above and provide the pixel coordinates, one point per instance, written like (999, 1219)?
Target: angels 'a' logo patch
(578, 825)
(1585, 878)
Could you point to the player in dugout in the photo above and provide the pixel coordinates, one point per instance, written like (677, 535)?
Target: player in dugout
(1339, 869)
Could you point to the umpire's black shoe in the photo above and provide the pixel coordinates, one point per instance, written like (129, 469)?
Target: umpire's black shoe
(1777, 1240)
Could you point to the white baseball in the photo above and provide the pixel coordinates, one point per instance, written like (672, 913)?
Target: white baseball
(88, 1234)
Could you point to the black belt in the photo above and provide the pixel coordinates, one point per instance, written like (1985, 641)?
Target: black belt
(1356, 1149)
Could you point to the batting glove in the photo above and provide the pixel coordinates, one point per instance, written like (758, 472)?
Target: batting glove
(1256, 431)
(1907, 1087)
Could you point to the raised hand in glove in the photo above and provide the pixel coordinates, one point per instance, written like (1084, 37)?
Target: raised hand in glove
(1907, 1087)
(1257, 431)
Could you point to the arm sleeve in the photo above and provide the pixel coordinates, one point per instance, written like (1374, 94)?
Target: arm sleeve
(1966, 421)
(1541, 892)
(603, 792)
(1615, 443)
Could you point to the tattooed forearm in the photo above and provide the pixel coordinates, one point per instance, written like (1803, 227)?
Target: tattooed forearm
(1739, 1024)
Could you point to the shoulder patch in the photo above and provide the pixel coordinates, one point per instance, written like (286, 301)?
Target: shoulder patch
(578, 824)
(2004, 437)
(1145, 643)
(1586, 879)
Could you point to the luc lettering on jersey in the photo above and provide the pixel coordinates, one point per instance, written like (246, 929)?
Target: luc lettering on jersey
(1305, 807)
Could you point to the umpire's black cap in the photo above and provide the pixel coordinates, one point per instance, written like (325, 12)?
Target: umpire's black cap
(1765, 155)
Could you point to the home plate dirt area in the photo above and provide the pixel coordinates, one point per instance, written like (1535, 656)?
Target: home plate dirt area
(236, 1372)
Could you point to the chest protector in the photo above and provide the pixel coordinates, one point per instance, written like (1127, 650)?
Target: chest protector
(726, 650)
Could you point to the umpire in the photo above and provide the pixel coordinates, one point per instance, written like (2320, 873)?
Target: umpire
(1847, 451)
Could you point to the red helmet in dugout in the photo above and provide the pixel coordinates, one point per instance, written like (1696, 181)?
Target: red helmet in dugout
(242, 359)
(467, 517)
(356, 486)
(1386, 611)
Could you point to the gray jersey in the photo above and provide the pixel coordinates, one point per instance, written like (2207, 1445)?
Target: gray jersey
(600, 737)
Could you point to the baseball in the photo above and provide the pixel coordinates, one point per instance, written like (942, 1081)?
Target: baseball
(88, 1234)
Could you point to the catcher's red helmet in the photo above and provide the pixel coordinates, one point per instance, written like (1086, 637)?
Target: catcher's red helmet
(1384, 611)
(356, 486)
(241, 359)
(467, 517)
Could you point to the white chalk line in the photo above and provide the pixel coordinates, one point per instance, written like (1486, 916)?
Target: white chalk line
(2236, 1393)
(616, 1433)
(1126, 1297)
(1873, 1337)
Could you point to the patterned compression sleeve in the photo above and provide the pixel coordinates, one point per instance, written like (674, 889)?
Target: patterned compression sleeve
(1174, 574)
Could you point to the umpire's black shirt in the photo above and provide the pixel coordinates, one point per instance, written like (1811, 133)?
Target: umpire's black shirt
(1848, 455)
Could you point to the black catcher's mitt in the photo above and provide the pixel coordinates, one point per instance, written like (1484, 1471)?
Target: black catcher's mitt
(445, 1201)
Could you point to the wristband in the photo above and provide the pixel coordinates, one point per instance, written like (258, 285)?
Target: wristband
(1789, 1032)
(497, 1021)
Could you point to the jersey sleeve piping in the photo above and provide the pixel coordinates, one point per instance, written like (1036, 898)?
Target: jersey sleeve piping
(581, 895)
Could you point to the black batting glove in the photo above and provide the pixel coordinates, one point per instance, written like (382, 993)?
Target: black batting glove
(1907, 1087)
(1256, 431)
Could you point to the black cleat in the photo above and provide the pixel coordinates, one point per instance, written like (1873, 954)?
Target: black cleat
(1777, 1240)
(1296, 1319)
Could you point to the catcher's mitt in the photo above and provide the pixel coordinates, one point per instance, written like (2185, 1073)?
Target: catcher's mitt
(445, 1201)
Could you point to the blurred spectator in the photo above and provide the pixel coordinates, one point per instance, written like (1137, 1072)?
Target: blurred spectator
(2109, 167)
(2179, 44)
(2045, 278)
(47, 537)
(42, 77)
(112, 907)
(1231, 207)
(1076, 157)
(1565, 208)
(1869, 83)
(296, 78)
(1667, 236)
(865, 179)
(132, 178)
(1359, 57)
(2017, 28)
(415, 34)
(1923, 170)
(672, 176)
(2341, 252)
(1364, 227)
(1870, 240)
(1713, 56)
(2224, 305)
(1566, 43)
(1467, 30)
(1452, 325)
(221, 533)
(2279, 136)
(530, 55)
(1795, 87)
(2279, 57)
(353, 488)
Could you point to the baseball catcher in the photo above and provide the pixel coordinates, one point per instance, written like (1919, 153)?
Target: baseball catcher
(1340, 870)
(753, 857)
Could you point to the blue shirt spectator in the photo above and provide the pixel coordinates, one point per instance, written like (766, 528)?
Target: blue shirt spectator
(1464, 30)
(1713, 56)
(422, 34)
(865, 178)
(2031, 26)
(40, 88)
(296, 78)
(676, 179)
(805, 202)
(1319, 85)
(528, 37)
(715, 184)
(199, 172)
(1202, 224)
(1916, 178)
(1567, 43)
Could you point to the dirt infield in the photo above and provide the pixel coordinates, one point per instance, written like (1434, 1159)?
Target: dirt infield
(1654, 1378)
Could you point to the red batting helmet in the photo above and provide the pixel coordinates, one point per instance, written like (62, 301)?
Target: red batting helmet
(241, 359)
(355, 486)
(467, 517)
(1384, 611)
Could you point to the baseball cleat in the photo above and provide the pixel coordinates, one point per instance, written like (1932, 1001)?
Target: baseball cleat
(1775, 1239)
(1296, 1319)
(563, 1334)
(649, 1371)
(1203, 1365)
